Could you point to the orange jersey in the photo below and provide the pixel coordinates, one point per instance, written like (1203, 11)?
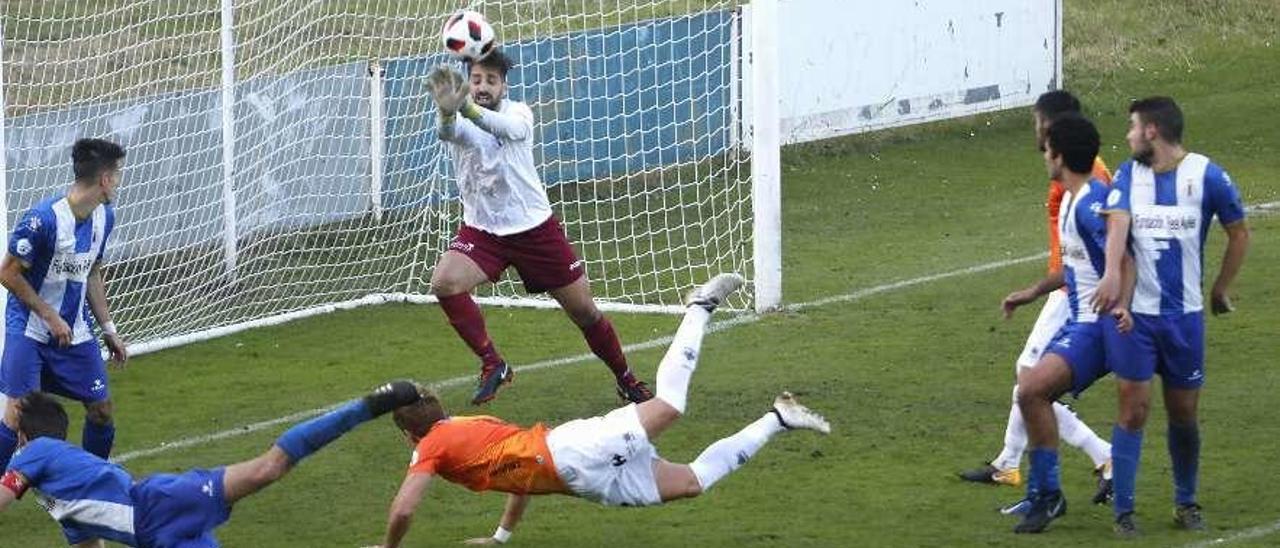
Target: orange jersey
(487, 454)
(1056, 191)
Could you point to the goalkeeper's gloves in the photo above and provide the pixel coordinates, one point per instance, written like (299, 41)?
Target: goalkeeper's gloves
(450, 92)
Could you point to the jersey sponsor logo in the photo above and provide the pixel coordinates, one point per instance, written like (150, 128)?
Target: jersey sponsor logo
(1075, 252)
(506, 468)
(98, 386)
(1154, 221)
(23, 247)
(71, 266)
(464, 247)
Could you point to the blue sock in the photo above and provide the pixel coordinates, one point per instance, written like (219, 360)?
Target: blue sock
(1126, 450)
(1184, 451)
(98, 438)
(1044, 469)
(307, 438)
(8, 444)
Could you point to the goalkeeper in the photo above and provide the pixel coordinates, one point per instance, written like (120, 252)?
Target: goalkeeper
(507, 221)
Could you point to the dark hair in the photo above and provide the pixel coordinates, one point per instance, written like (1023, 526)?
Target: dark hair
(418, 418)
(1056, 103)
(1075, 139)
(41, 415)
(90, 157)
(496, 60)
(1163, 113)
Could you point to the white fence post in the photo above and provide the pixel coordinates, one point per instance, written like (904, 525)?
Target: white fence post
(376, 127)
(766, 170)
(228, 139)
(1057, 37)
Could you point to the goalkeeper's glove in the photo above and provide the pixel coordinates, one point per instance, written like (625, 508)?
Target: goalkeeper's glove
(448, 90)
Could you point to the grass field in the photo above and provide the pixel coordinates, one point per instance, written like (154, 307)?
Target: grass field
(915, 377)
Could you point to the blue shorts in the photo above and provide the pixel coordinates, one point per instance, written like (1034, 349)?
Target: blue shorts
(179, 510)
(1081, 345)
(1172, 346)
(76, 371)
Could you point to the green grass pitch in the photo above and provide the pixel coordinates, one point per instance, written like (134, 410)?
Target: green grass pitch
(916, 380)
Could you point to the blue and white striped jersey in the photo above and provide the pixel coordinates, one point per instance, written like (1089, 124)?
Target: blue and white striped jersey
(59, 251)
(1082, 231)
(88, 496)
(1171, 213)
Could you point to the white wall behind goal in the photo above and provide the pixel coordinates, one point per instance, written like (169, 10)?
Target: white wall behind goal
(850, 66)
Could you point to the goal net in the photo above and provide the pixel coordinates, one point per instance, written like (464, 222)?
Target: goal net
(282, 158)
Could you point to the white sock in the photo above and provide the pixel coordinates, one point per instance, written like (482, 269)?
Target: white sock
(682, 358)
(1015, 438)
(728, 454)
(1078, 434)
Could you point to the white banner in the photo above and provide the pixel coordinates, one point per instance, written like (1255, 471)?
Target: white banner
(849, 66)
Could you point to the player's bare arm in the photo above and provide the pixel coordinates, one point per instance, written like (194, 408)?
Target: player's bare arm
(11, 276)
(97, 296)
(1129, 282)
(403, 506)
(1044, 286)
(1107, 295)
(1232, 260)
(510, 517)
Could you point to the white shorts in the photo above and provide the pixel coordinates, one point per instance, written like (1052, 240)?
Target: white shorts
(1053, 316)
(607, 459)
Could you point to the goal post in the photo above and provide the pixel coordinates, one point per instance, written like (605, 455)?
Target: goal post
(282, 159)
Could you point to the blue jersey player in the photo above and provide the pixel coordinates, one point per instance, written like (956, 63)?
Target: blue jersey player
(1075, 357)
(52, 270)
(1171, 197)
(94, 500)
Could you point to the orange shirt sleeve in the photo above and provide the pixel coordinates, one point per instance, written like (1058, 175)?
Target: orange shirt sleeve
(1053, 204)
(427, 454)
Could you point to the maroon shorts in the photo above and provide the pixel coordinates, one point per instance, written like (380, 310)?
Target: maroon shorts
(542, 255)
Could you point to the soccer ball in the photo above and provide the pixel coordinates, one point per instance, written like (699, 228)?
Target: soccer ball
(467, 36)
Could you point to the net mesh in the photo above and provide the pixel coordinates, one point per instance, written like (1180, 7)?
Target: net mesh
(339, 188)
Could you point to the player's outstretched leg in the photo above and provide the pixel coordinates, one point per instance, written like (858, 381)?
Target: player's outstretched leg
(677, 366)
(248, 477)
(676, 481)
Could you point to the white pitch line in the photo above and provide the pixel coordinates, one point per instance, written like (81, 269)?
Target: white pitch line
(735, 321)
(1247, 534)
